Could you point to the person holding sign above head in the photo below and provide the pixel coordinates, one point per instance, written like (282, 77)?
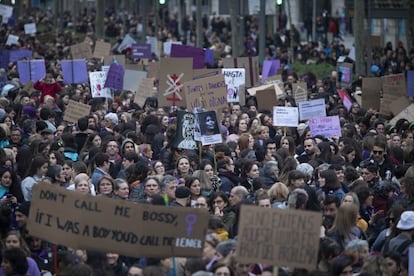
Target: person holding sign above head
(48, 86)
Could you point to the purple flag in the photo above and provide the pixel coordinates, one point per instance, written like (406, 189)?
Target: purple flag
(16, 55)
(209, 56)
(33, 70)
(270, 68)
(115, 77)
(410, 83)
(141, 50)
(187, 51)
(74, 71)
(4, 58)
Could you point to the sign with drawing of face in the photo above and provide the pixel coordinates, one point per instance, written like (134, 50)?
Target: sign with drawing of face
(184, 138)
(209, 128)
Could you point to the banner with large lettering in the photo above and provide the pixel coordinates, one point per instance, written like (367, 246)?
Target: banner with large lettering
(103, 224)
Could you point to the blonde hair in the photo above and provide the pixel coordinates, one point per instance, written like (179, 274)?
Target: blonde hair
(279, 191)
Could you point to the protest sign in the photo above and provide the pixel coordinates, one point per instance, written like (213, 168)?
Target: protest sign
(410, 83)
(108, 60)
(16, 55)
(251, 64)
(300, 91)
(145, 89)
(209, 56)
(70, 218)
(76, 110)
(197, 54)
(235, 79)
(74, 71)
(407, 113)
(206, 93)
(141, 51)
(209, 128)
(126, 43)
(115, 77)
(12, 39)
(101, 49)
(97, 81)
(285, 116)
(4, 58)
(30, 28)
(312, 109)
(205, 73)
(325, 126)
(267, 98)
(132, 79)
(153, 70)
(344, 71)
(6, 11)
(173, 73)
(167, 46)
(371, 93)
(184, 137)
(153, 41)
(81, 50)
(394, 92)
(270, 68)
(274, 236)
(32, 70)
(345, 98)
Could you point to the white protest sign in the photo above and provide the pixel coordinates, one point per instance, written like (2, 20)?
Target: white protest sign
(312, 109)
(234, 78)
(325, 126)
(285, 116)
(6, 11)
(12, 39)
(97, 82)
(30, 28)
(126, 42)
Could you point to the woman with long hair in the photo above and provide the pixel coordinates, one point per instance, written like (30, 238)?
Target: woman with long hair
(10, 189)
(105, 186)
(36, 172)
(193, 183)
(229, 179)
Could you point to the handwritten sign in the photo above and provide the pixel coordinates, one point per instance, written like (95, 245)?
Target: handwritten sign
(101, 49)
(250, 64)
(268, 97)
(141, 50)
(74, 71)
(76, 110)
(184, 137)
(31, 70)
(407, 113)
(394, 89)
(6, 11)
(97, 81)
(285, 116)
(99, 223)
(371, 92)
(325, 126)
(30, 28)
(115, 77)
(145, 89)
(206, 93)
(12, 39)
(81, 50)
(300, 91)
(235, 79)
(312, 109)
(273, 236)
(197, 54)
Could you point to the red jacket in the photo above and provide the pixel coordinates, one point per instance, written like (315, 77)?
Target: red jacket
(47, 89)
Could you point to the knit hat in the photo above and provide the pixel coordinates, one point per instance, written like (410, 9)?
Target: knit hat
(225, 247)
(182, 192)
(23, 208)
(112, 117)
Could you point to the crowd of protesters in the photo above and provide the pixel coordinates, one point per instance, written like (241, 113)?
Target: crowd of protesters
(362, 183)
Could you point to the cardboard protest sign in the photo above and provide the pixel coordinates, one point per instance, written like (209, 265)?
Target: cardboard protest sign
(153, 70)
(145, 90)
(115, 77)
(206, 93)
(32, 70)
(108, 60)
(74, 71)
(394, 91)
(97, 82)
(209, 128)
(167, 46)
(70, 218)
(141, 51)
(270, 68)
(312, 109)
(267, 98)
(12, 39)
(16, 55)
(285, 116)
(407, 113)
(410, 83)
(172, 74)
(101, 49)
(76, 110)
(251, 64)
(371, 92)
(197, 54)
(30, 28)
(235, 79)
(126, 43)
(132, 78)
(326, 126)
(274, 236)
(184, 137)
(81, 51)
(300, 91)
(205, 73)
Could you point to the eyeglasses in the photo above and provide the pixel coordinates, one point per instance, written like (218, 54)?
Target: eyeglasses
(378, 151)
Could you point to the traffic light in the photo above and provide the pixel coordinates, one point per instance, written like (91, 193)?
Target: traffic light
(162, 2)
(279, 2)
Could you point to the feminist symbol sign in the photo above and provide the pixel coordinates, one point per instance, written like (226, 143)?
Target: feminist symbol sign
(175, 88)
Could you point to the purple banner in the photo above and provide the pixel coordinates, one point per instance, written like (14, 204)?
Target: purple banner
(115, 77)
(410, 83)
(270, 68)
(16, 55)
(4, 58)
(209, 56)
(74, 71)
(141, 50)
(33, 70)
(188, 51)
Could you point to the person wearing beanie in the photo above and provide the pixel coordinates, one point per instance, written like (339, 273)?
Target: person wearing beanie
(224, 248)
(182, 197)
(22, 213)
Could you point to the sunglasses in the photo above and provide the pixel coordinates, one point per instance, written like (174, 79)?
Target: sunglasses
(378, 151)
